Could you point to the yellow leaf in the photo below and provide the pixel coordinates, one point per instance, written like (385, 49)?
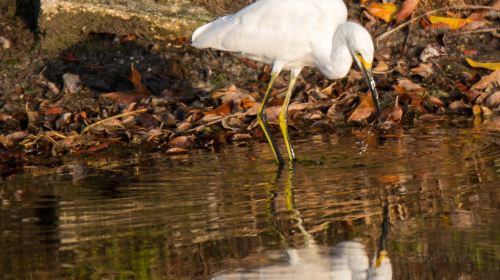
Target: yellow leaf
(487, 65)
(384, 11)
(452, 23)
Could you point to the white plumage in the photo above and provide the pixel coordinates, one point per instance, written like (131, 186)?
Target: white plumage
(291, 34)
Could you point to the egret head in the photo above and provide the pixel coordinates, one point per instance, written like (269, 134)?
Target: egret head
(360, 44)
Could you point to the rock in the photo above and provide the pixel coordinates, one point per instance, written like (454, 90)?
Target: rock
(72, 83)
(5, 43)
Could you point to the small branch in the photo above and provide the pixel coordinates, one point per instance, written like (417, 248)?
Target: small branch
(465, 7)
(113, 117)
(237, 114)
(486, 30)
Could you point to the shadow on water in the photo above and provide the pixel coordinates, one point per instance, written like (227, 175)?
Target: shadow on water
(229, 214)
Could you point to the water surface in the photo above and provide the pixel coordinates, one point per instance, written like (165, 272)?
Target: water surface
(232, 214)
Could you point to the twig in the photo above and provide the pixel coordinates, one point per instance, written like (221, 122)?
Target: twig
(465, 7)
(237, 114)
(476, 31)
(113, 117)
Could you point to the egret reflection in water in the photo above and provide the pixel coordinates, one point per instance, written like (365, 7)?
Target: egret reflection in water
(345, 260)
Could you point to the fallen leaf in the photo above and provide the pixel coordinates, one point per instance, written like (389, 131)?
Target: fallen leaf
(5, 117)
(54, 111)
(405, 85)
(427, 117)
(122, 97)
(365, 109)
(493, 100)
(431, 51)
(487, 65)
(469, 51)
(383, 11)
(136, 79)
(223, 110)
(128, 38)
(397, 113)
(476, 110)
(487, 81)
(424, 70)
(448, 22)
(176, 151)
(435, 101)
(180, 142)
(406, 10)
(458, 105)
(98, 147)
(183, 126)
(381, 67)
(247, 103)
(240, 137)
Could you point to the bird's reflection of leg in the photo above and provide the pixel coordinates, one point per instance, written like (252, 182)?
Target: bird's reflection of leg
(271, 207)
(290, 205)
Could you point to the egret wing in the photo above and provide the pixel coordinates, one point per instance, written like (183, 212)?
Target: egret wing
(270, 30)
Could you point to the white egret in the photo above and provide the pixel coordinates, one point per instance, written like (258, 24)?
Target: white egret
(289, 35)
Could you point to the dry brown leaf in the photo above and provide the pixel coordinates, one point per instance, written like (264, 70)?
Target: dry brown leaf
(223, 110)
(431, 51)
(176, 151)
(493, 100)
(458, 105)
(5, 117)
(180, 142)
(247, 103)
(396, 113)
(122, 97)
(406, 10)
(436, 101)
(487, 81)
(240, 137)
(365, 109)
(383, 11)
(424, 70)
(56, 110)
(381, 67)
(136, 79)
(405, 85)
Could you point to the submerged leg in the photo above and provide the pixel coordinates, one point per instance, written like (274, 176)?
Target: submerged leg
(284, 113)
(262, 119)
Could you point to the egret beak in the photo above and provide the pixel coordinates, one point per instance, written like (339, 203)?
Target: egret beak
(366, 67)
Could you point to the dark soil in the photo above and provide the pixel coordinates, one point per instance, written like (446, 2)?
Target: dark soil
(45, 122)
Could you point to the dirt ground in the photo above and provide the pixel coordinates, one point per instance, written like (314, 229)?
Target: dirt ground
(109, 94)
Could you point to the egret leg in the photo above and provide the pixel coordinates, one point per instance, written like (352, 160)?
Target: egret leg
(262, 119)
(283, 117)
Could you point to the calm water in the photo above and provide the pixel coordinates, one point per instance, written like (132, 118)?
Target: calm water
(232, 215)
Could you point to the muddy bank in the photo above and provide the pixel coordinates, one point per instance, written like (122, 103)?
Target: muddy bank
(112, 90)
